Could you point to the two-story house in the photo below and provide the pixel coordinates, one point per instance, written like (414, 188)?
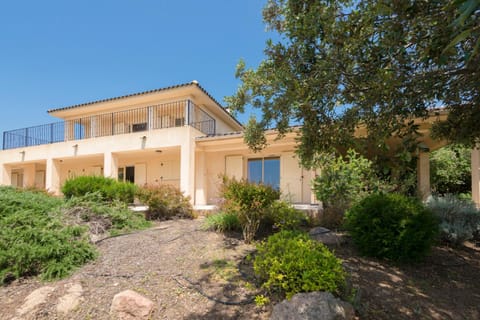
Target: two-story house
(176, 135)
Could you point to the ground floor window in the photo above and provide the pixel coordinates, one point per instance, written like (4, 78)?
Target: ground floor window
(265, 170)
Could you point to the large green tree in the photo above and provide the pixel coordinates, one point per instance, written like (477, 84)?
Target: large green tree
(338, 65)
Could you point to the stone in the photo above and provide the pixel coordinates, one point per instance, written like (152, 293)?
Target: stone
(313, 305)
(35, 299)
(325, 236)
(71, 300)
(129, 305)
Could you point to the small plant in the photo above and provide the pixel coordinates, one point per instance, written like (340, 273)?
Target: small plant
(109, 188)
(285, 217)
(165, 202)
(251, 202)
(459, 219)
(261, 300)
(290, 262)
(392, 226)
(222, 222)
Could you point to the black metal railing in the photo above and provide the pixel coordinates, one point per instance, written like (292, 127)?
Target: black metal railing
(174, 114)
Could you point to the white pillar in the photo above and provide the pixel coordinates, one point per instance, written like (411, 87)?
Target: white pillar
(6, 178)
(423, 175)
(187, 166)
(29, 175)
(110, 165)
(52, 176)
(475, 166)
(200, 179)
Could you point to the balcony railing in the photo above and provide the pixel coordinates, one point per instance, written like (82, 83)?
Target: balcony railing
(174, 114)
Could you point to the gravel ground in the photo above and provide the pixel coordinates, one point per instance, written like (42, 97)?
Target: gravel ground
(188, 273)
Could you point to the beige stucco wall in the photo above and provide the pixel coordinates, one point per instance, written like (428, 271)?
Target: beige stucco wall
(295, 182)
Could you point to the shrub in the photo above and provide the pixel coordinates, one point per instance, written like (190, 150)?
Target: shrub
(285, 217)
(165, 202)
(459, 219)
(34, 240)
(343, 181)
(392, 226)
(290, 262)
(109, 188)
(251, 202)
(101, 216)
(450, 169)
(222, 222)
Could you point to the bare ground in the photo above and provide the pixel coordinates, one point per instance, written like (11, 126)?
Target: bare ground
(192, 274)
(188, 273)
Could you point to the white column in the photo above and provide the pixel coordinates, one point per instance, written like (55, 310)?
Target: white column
(475, 165)
(423, 175)
(52, 176)
(200, 179)
(6, 178)
(29, 175)
(187, 166)
(110, 165)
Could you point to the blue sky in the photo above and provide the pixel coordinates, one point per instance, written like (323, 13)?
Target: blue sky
(61, 53)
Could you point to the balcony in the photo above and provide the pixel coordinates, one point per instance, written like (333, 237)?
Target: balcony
(168, 115)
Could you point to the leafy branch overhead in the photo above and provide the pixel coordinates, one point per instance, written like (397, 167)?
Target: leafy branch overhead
(340, 64)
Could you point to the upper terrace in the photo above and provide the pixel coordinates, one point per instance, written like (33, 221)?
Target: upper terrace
(158, 116)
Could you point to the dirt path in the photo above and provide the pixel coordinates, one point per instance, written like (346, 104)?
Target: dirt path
(175, 264)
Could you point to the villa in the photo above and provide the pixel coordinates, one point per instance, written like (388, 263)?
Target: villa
(177, 135)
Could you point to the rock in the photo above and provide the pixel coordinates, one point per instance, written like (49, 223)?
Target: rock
(313, 305)
(129, 305)
(325, 236)
(34, 299)
(71, 300)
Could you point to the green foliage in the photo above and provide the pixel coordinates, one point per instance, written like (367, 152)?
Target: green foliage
(392, 226)
(261, 300)
(165, 202)
(109, 188)
(285, 217)
(249, 201)
(342, 182)
(340, 68)
(290, 262)
(459, 219)
(222, 222)
(450, 170)
(93, 210)
(34, 240)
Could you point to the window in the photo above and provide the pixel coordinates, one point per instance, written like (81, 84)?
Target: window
(139, 127)
(265, 170)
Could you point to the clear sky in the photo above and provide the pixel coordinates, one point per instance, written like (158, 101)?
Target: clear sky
(60, 53)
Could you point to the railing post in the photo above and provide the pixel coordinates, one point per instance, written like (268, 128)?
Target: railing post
(26, 137)
(4, 137)
(51, 132)
(187, 113)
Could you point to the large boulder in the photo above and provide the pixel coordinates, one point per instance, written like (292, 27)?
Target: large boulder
(325, 236)
(129, 305)
(313, 305)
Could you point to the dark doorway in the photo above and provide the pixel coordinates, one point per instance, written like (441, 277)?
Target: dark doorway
(130, 174)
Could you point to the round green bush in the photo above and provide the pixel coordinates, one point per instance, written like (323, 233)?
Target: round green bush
(392, 226)
(109, 188)
(290, 262)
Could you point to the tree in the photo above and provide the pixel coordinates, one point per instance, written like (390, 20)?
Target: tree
(377, 64)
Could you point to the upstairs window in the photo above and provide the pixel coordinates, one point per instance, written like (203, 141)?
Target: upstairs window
(265, 170)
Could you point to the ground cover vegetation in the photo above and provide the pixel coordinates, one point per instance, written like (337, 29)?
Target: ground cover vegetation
(35, 240)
